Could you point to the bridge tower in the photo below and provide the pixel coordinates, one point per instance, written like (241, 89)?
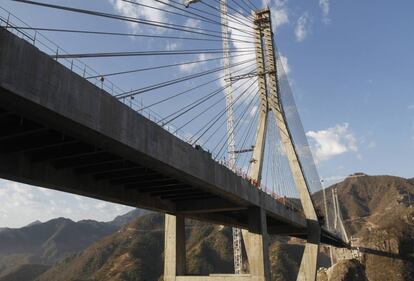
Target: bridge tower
(271, 103)
(255, 237)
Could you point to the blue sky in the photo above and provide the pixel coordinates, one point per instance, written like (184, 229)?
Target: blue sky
(350, 65)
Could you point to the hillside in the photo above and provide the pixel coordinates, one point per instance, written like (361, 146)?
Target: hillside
(378, 212)
(37, 246)
(48, 242)
(125, 254)
(128, 217)
(136, 253)
(370, 200)
(379, 215)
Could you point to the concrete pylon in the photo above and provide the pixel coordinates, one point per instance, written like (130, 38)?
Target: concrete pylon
(256, 239)
(307, 270)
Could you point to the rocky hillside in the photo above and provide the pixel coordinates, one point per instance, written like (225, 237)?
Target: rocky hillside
(379, 215)
(344, 270)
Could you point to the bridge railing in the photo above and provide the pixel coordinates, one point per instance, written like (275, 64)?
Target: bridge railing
(23, 30)
(289, 203)
(20, 28)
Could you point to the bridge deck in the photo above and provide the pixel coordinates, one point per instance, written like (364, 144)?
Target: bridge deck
(59, 131)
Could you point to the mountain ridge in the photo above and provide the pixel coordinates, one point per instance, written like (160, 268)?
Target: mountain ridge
(377, 211)
(43, 244)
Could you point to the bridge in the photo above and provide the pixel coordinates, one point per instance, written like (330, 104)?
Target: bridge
(60, 131)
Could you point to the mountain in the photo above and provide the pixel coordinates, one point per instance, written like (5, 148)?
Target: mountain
(378, 213)
(37, 246)
(128, 217)
(47, 243)
(369, 200)
(25, 272)
(136, 253)
(34, 223)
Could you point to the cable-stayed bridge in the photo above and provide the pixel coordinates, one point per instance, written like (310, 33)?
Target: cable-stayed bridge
(228, 147)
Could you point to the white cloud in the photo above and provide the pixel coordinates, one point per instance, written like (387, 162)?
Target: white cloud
(191, 67)
(372, 144)
(302, 27)
(253, 110)
(22, 204)
(141, 12)
(280, 14)
(324, 4)
(171, 46)
(332, 142)
(242, 62)
(192, 23)
(283, 65)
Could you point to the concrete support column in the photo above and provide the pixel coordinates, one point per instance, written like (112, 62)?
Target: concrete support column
(308, 265)
(174, 247)
(258, 245)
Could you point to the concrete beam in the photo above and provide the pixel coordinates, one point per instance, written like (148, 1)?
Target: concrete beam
(286, 230)
(208, 206)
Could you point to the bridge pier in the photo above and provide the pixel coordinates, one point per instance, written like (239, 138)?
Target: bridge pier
(257, 247)
(309, 263)
(174, 247)
(256, 241)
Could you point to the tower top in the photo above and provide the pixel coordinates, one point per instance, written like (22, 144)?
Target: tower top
(261, 16)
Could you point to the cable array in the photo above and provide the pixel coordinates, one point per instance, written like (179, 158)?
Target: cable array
(175, 75)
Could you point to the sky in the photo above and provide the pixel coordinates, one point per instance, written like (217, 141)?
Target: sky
(349, 63)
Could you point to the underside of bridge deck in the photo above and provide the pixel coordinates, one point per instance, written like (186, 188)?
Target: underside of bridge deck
(47, 153)
(44, 155)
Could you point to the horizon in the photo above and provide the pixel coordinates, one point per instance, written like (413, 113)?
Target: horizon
(351, 80)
